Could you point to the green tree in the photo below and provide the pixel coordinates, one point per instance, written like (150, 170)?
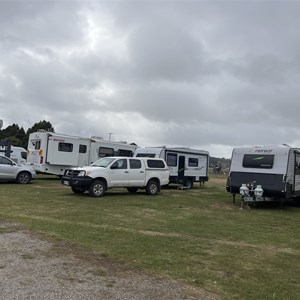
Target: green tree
(17, 135)
(14, 134)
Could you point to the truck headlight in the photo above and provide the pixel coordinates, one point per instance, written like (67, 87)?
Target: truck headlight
(81, 173)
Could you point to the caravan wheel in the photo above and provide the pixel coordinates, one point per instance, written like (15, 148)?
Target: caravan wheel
(188, 183)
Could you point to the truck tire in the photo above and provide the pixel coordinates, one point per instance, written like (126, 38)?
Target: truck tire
(132, 189)
(152, 187)
(97, 188)
(23, 177)
(77, 190)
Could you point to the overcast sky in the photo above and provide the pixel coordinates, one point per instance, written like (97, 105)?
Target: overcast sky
(209, 75)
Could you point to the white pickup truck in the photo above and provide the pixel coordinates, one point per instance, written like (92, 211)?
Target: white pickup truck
(132, 173)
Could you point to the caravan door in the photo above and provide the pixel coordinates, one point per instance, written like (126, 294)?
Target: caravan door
(297, 173)
(181, 167)
(84, 152)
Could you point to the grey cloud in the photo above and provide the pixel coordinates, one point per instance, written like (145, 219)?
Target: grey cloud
(204, 73)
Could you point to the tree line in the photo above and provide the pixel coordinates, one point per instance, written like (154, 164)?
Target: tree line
(17, 136)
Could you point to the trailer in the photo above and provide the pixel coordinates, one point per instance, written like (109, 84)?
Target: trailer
(186, 165)
(267, 173)
(17, 154)
(53, 153)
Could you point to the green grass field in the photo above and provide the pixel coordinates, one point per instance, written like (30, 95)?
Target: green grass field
(196, 236)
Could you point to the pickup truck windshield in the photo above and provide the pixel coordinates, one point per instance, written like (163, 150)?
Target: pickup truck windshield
(102, 162)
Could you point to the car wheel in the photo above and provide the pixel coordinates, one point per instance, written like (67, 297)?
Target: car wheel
(23, 177)
(132, 189)
(77, 190)
(97, 188)
(152, 187)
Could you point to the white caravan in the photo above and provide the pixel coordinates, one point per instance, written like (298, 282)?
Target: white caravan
(53, 153)
(17, 154)
(186, 165)
(264, 173)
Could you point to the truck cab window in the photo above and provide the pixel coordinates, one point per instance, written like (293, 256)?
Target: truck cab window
(135, 164)
(119, 164)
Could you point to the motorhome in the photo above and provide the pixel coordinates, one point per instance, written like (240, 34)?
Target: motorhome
(186, 165)
(266, 173)
(17, 154)
(53, 153)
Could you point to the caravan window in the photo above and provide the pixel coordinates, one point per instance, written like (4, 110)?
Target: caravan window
(258, 161)
(36, 144)
(82, 148)
(122, 152)
(65, 147)
(145, 155)
(104, 152)
(193, 162)
(172, 159)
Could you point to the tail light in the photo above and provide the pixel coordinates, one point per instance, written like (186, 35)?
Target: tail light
(41, 156)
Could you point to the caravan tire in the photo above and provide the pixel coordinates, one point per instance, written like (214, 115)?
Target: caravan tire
(152, 187)
(189, 183)
(97, 188)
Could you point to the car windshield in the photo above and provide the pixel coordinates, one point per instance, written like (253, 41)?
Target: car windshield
(103, 162)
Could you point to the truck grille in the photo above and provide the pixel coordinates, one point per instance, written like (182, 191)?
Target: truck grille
(72, 173)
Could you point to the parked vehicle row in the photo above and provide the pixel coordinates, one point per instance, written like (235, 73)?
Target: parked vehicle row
(54, 153)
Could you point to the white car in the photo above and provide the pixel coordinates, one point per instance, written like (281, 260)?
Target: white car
(10, 171)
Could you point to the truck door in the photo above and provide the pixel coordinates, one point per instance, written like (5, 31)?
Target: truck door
(181, 167)
(136, 172)
(119, 173)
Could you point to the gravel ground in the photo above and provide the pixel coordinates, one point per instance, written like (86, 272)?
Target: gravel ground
(33, 268)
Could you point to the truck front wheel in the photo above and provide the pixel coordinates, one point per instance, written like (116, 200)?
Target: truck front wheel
(97, 188)
(152, 187)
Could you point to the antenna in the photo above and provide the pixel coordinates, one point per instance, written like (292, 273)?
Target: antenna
(109, 135)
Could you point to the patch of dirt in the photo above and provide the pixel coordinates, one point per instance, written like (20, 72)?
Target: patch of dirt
(33, 268)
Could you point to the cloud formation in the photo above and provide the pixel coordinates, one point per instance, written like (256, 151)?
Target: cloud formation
(207, 75)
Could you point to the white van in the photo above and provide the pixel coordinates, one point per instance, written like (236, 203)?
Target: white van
(17, 154)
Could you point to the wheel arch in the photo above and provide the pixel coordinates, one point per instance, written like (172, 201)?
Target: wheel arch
(157, 180)
(102, 179)
(24, 172)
